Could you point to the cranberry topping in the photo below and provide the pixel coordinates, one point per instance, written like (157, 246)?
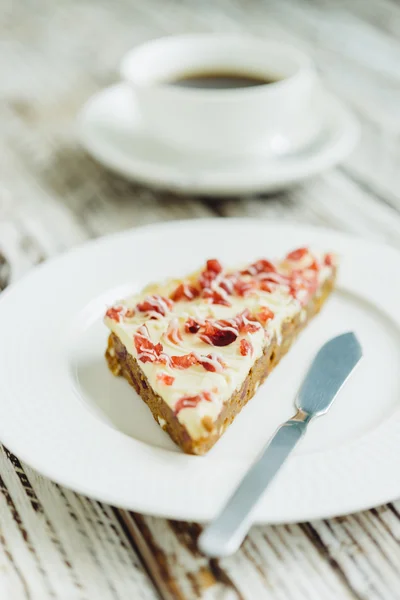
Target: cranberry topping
(244, 288)
(215, 293)
(213, 362)
(265, 286)
(173, 333)
(114, 313)
(303, 285)
(228, 283)
(155, 304)
(147, 351)
(225, 331)
(260, 266)
(215, 297)
(211, 271)
(218, 334)
(264, 266)
(314, 266)
(264, 315)
(214, 265)
(245, 347)
(246, 322)
(297, 254)
(185, 361)
(184, 291)
(192, 326)
(191, 401)
(165, 379)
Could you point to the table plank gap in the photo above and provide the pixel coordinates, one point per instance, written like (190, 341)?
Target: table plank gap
(154, 563)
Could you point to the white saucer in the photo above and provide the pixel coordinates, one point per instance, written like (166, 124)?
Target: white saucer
(64, 413)
(112, 131)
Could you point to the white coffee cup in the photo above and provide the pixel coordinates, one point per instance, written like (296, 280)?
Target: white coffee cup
(273, 117)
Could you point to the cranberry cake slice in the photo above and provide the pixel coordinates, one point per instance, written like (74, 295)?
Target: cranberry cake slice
(197, 349)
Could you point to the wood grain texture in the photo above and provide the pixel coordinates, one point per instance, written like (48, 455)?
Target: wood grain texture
(57, 544)
(55, 54)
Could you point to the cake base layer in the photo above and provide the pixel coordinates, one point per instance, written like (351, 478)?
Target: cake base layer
(122, 363)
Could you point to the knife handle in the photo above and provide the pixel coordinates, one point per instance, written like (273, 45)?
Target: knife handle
(224, 535)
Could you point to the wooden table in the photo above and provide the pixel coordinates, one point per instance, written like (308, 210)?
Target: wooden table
(54, 55)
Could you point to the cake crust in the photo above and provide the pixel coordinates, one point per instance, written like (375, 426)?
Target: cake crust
(122, 363)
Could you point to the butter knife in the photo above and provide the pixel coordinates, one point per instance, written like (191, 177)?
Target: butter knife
(328, 372)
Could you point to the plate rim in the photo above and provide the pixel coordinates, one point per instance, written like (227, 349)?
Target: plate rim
(379, 497)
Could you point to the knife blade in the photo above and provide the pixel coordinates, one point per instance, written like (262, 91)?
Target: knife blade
(329, 371)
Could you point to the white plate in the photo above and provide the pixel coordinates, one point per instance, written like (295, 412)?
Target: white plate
(63, 412)
(112, 131)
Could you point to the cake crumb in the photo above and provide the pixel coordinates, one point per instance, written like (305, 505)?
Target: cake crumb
(207, 423)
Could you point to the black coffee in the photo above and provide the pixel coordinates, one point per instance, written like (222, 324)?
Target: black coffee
(221, 81)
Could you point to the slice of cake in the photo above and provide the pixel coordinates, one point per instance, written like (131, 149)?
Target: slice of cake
(196, 349)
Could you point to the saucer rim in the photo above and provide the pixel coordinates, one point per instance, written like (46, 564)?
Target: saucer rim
(338, 143)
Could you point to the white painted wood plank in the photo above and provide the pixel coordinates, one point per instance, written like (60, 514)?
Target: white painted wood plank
(372, 574)
(63, 545)
(274, 562)
(332, 200)
(20, 546)
(348, 557)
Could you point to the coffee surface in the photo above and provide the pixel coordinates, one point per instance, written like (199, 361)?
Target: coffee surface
(221, 80)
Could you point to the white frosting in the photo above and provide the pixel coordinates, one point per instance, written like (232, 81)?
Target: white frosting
(231, 367)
